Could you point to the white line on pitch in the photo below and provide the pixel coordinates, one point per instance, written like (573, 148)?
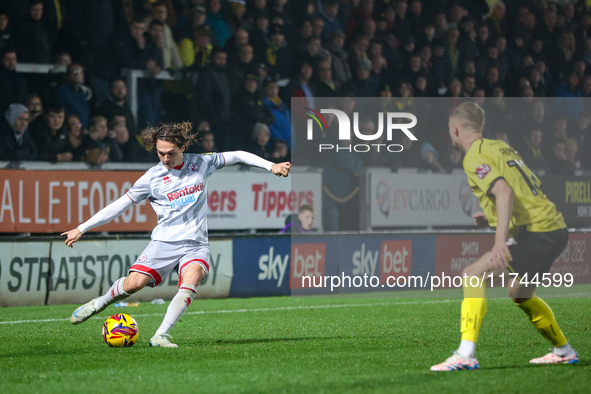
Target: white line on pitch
(284, 308)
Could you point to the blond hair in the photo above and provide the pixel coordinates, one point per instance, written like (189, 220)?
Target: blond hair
(470, 116)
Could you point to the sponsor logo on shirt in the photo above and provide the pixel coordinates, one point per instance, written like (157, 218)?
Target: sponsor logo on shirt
(142, 258)
(166, 179)
(482, 171)
(184, 196)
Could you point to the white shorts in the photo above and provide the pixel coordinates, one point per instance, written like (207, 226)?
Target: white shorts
(159, 259)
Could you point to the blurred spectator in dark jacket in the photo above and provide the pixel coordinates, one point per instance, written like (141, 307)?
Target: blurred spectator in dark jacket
(239, 38)
(300, 223)
(249, 109)
(329, 13)
(75, 136)
(259, 140)
(340, 58)
(206, 143)
(116, 104)
(13, 85)
(46, 133)
(32, 39)
(131, 149)
(530, 148)
(6, 33)
(558, 163)
(579, 129)
(279, 55)
(572, 154)
(243, 66)
(15, 142)
(213, 96)
(323, 83)
(97, 146)
(136, 51)
(365, 82)
(35, 106)
(279, 151)
(73, 96)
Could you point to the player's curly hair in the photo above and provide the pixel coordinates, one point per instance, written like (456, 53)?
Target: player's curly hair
(178, 133)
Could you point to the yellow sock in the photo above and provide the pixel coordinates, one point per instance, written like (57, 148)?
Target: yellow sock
(543, 320)
(473, 310)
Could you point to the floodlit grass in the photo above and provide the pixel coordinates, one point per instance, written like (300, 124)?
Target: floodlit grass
(306, 345)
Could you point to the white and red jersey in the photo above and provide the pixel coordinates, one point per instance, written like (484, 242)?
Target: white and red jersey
(179, 196)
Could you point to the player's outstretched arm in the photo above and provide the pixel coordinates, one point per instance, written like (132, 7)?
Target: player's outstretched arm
(103, 216)
(239, 156)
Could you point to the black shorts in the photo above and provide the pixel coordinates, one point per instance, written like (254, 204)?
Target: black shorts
(534, 253)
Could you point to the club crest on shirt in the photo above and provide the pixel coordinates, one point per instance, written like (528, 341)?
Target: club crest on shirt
(482, 171)
(166, 179)
(193, 167)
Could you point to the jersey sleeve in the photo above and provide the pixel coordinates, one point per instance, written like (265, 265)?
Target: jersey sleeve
(141, 188)
(214, 161)
(482, 172)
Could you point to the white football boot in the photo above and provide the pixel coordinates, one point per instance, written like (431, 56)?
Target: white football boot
(457, 363)
(553, 358)
(85, 311)
(161, 340)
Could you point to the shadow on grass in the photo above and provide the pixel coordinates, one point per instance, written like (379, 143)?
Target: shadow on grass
(582, 363)
(268, 340)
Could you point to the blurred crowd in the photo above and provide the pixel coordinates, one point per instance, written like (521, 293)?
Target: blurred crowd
(238, 65)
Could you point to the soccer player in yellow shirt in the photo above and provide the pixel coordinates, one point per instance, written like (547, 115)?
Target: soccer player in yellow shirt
(530, 235)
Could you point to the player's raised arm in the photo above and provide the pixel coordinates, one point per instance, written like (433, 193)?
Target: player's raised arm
(103, 216)
(239, 156)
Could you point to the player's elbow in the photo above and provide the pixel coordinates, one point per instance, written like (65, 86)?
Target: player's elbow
(502, 188)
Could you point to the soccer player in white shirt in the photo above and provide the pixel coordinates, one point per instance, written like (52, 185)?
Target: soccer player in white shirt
(177, 190)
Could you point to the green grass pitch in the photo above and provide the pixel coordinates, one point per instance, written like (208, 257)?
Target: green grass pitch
(305, 345)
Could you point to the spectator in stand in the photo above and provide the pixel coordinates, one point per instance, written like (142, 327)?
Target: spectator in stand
(131, 149)
(47, 131)
(572, 155)
(324, 85)
(196, 54)
(329, 11)
(281, 127)
(249, 109)
(279, 55)
(304, 33)
(73, 95)
(170, 53)
(299, 89)
(32, 39)
(13, 85)
(136, 51)
(213, 96)
(6, 36)
(97, 146)
(206, 143)
(365, 83)
(197, 17)
(317, 27)
(244, 66)
(579, 129)
(15, 142)
(216, 23)
(279, 152)
(568, 96)
(377, 156)
(531, 148)
(75, 136)
(442, 66)
(259, 140)
(35, 106)
(557, 133)
(116, 104)
(558, 163)
(239, 38)
(339, 58)
(300, 223)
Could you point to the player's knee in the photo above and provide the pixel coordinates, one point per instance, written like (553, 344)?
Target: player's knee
(194, 274)
(133, 284)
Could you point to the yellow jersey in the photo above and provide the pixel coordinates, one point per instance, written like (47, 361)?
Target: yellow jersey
(486, 162)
